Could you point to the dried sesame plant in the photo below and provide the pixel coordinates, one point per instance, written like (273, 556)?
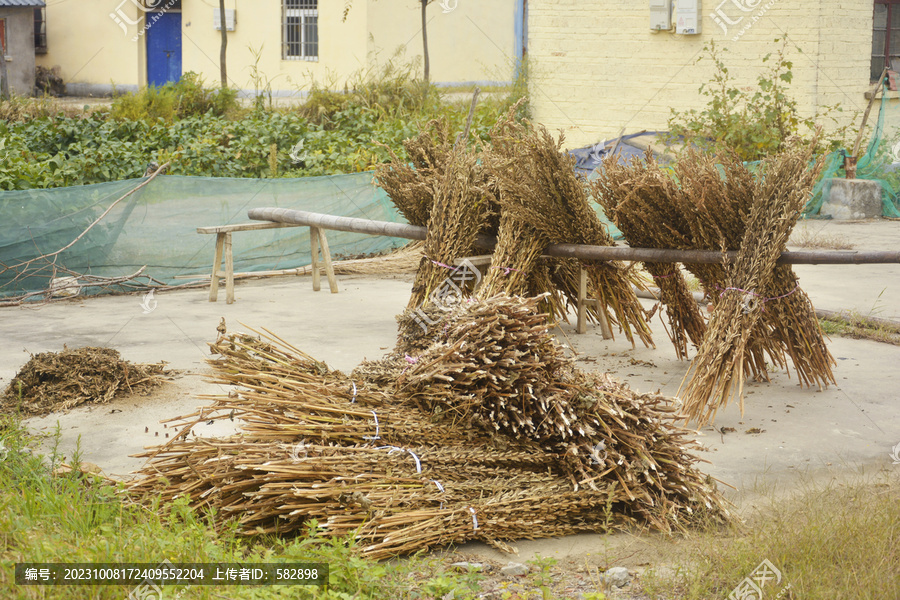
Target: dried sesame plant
(759, 308)
(543, 201)
(643, 202)
(462, 204)
(715, 202)
(410, 185)
(402, 456)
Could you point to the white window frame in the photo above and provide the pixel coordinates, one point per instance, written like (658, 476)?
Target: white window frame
(304, 15)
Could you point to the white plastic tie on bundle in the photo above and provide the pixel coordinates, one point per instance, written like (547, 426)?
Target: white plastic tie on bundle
(377, 429)
(418, 464)
(474, 518)
(440, 487)
(353, 399)
(392, 449)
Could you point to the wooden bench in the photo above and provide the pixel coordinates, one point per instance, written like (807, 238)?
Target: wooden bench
(484, 260)
(223, 246)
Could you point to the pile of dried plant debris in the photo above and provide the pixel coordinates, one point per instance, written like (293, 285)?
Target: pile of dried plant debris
(55, 381)
(477, 428)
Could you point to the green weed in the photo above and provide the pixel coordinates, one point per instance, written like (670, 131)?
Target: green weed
(187, 98)
(48, 515)
(854, 325)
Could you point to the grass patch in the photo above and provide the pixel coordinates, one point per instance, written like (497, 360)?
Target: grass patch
(854, 326)
(78, 517)
(831, 540)
(23, 109)
(806, 238)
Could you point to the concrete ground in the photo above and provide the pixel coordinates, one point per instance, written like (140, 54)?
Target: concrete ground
(853, 425)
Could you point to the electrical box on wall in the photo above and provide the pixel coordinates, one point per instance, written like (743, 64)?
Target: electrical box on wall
(229, 19)
(660, 15)
(687, 17)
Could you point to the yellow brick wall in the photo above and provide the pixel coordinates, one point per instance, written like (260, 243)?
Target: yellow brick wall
(596, 68)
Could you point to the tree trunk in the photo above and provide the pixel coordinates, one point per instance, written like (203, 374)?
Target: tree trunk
(222, 68)
(425, 39)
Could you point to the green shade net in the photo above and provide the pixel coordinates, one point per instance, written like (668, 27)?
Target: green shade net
(156, 227)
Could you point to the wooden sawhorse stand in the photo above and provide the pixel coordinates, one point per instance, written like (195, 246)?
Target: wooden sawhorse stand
(223, 233)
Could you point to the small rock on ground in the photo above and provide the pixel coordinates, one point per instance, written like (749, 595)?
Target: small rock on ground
(513, 569)
(617, 576)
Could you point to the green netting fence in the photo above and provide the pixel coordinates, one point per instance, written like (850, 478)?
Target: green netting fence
(156, 228)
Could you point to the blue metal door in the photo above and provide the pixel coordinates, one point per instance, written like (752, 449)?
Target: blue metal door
(163, 47)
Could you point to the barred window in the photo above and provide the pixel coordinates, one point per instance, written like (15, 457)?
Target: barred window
(885, 37)
(300, 30)
(40, 31)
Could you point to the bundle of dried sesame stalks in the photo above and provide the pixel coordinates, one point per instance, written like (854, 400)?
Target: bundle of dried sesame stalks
(760, 302)
(482, 431)
(521, 188)
(715, 202)
(543, 201)
(645, 204)
(462, 204)
(410, 186)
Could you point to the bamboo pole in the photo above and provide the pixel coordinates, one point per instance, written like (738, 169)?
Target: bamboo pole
(583, 252)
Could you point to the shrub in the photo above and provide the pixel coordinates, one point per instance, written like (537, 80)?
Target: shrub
(186, 98)
(387, 91)
(194, 99)
(752, 122)
(149, 104)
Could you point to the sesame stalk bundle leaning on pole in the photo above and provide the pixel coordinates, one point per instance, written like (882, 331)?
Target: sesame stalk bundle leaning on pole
(638, 198)
(754, 284)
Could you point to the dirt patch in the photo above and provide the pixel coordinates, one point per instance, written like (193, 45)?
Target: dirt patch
(56, 381)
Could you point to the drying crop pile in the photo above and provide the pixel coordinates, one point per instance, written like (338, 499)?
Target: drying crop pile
(645, 203)
(56, 381)
(545, 202)
(549, 451)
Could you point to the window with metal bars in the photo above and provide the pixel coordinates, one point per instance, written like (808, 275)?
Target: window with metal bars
(885, 37)
(300, 30)
(40, 30)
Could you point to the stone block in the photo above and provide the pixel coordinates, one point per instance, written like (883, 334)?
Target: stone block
(853, 199)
